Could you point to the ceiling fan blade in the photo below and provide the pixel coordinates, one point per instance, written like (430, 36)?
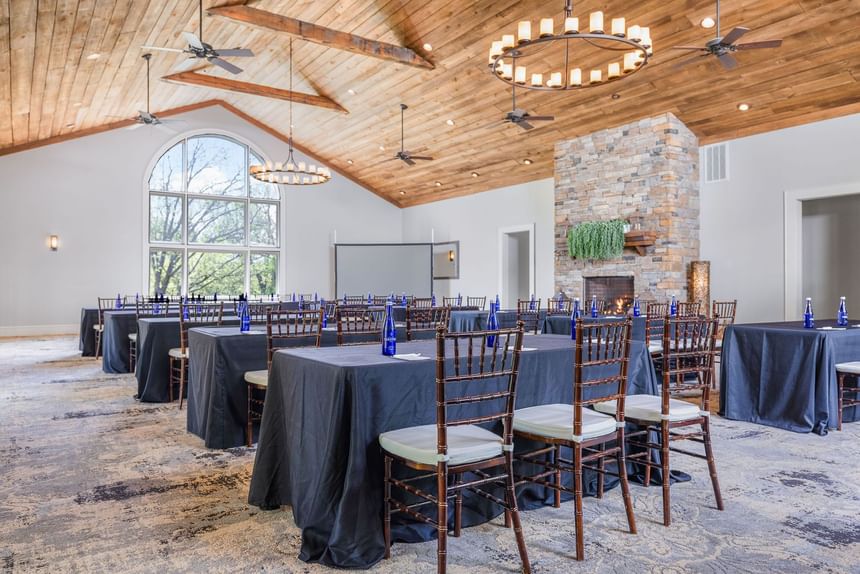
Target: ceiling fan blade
(734, 36)
(689, 48)
(728, 61)
(407, 160)
(757, 45)
(193, 40)
(540, 118)
(187, 64)
(236, 52)
(525, 125)
(160, 49)
(226, 65)
(421, 157)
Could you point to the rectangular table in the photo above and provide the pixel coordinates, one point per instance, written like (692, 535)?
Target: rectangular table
(87, 340)
(119, 324)
(318, 449)
(560, 325)
(782, 375)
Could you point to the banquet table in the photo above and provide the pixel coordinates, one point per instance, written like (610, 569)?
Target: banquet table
(783, 375)
(465, 321)
(318, 449)
(217, 392)
(118, 325)
(560, 325)
(87, 341)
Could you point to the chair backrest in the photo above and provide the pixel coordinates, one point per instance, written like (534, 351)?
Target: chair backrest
(421, 302)
(359, 322)
(105, 304)
(478, 302)
(354, 300)
(199, 315)
(451, 301)
(654, 315)
(689, 309)
(554, 307)
(330, 307)
(601, 306)
(724, 313)
(146, 309)
(284, 327)
(600, 366)
(483, 374)
(259, 312)
(380, 300)
(422, 319)
(528, 312)
(688, 357)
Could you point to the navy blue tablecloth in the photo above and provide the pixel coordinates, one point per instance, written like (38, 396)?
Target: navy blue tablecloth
(118, 325)
(87, 341)
(782, 375)
(325, 408)
(560, 325)
(466, 321)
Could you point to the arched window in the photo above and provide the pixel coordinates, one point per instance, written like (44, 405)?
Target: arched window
(212, 228)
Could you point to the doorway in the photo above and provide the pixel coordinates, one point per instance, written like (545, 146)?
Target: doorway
(516, 264)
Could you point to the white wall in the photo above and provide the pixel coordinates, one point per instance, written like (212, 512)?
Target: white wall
(475, 221)
(742, 231)
(90, 192)
(831, 236)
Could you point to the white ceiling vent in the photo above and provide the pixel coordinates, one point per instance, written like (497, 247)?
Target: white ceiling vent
(715, 163)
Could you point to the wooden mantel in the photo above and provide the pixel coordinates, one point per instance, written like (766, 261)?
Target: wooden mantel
(639, 240)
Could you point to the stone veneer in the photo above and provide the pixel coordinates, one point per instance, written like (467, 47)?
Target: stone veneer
(645, 172)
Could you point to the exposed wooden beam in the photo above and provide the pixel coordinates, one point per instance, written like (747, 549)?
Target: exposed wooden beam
(230, 85)
(321, 35)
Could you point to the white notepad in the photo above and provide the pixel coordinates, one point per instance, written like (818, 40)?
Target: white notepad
(410, 357)
(511, 348)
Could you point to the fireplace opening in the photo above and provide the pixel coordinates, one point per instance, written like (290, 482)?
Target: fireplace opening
(616, 293)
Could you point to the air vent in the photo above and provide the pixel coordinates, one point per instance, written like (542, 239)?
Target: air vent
(715, 163)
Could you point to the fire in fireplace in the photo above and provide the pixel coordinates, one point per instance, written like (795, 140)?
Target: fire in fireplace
(616, 293)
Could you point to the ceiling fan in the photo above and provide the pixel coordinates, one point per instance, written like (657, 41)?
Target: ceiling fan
(522, 118)
(724, 46)
(404, 155)
(147, 118)
(200, 50)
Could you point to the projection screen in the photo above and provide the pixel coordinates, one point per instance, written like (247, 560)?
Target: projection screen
(383, 268)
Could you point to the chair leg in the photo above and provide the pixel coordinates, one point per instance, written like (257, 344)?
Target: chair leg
(840, 389)
(601, 467)
(442, 517)
(577, 478)
(511, 496)
(249, 432)
(621, 457)
(386, 522)
(183, 367)
(647, 459)
(557, 456)
(458, 507)
(712, 465)
(664, 456)
(170, 369)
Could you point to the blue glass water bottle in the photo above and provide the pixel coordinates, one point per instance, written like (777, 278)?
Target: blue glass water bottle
(594, 306)
(637, 310)
(492, 325)
(118, 304)
(403, 300)
(808, 316)
(389, 332)
(432, 299)
(325, 315)
(459, 300)
(842, 313)
(369, 298)
(532, 302)
(673, 307)
(185, 316)
(498, 303)
(301, 302)
(245, 323)
(560, 300)
(574, 315)
(215, 296)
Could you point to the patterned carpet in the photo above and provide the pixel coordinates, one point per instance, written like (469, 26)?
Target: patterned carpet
(91, 481)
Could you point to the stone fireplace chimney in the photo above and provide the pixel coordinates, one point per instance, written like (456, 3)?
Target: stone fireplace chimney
(644, 172)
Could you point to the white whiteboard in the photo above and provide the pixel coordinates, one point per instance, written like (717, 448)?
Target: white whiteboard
(384, 268)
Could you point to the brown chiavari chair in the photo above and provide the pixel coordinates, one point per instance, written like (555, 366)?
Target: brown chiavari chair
(601, 360)
(477, 302)
(724, 313)
(687, 366)
(421, 302)
(282, 328)
(425, 319)
(456, 447)
(689, 308)
(380, 300)
(556, 307)
(847, 396)
(143, 310)
(655, 313)
(199, 315)
(353, 300)
(528, 312)
(363, 323)
(105, 304)
(451, 301)
(601, 307)
(259, 312)
(330, 307)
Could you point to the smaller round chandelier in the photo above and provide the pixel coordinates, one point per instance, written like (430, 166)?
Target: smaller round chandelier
(290, 171)
(575, 59)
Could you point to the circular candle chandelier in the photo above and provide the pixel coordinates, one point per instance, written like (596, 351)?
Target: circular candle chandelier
(580, 59)
(290, 171)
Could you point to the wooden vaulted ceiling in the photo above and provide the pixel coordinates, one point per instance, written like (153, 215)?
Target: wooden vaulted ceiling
(50, 88)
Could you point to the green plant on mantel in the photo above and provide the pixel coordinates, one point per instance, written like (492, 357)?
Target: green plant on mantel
(596, 239)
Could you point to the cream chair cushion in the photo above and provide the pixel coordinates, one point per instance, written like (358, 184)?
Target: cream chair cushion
(259, 378)
(556, 421)
(655, 347)
(97, 327)
(466, 443)
(177, 353)
(648, 408)
(852, 367)
(132, 336)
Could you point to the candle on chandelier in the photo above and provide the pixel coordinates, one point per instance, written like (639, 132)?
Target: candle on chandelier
(630, 63)
(546, 27)
(571, 25)
(520, 75)
(495, 50)
(537, 79)
(634, 33)
(499, 65)
(596, 22)
(576, 77)
(524, 31)
(614, 70)
(596, 76)
(508, 41)
(618, 27)
(554, 80)
(507, 71)
(646, 36)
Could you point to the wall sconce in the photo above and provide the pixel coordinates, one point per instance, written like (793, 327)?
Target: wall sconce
(54, 242)
(451, 255)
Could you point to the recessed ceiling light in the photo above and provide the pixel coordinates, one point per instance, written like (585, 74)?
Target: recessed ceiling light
(449, 122)
(76, 105)
(351, 92)
(94, 56)
(349, 161)
(438, 184)
(743, 107)
(475, 174)
(616, 96)
(708, 22)
(402, 193)
(382, 148)
(428, 46)
(70, 125)
(527, 161)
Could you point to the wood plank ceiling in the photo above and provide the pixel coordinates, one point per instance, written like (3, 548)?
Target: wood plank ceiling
(51, 82)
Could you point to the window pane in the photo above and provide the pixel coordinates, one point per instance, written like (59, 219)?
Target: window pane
(165, 218)
(211, 272)
(165, 271)
(264, 273)
(263, 221)
(258, 188)
(216, 166)
(216, 221)
(167, 173)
